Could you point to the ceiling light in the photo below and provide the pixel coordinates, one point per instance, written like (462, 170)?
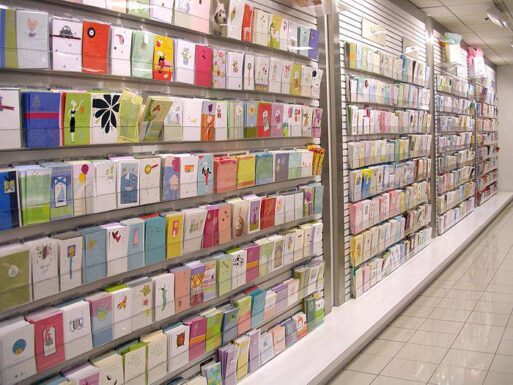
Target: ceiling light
(495, 16)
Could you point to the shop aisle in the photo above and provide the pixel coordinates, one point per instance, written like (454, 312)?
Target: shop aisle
(459, 331)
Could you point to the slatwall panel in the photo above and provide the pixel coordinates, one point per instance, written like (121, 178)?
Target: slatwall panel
(398, 24)
(459, 72)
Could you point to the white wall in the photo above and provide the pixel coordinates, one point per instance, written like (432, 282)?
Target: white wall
(505, 105)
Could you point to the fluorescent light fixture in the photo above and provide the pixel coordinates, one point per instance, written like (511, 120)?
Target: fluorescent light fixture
(495, 16)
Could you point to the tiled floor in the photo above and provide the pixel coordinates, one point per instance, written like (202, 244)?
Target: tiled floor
(459, 331)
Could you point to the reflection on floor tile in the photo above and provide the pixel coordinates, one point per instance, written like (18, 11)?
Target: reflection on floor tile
(459, 331)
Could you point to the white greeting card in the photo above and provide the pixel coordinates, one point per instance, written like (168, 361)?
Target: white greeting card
(188, 175)
(234, 70)
(185, 52)
(275, 75)
(142, 302)
(117, 248)
(120, 49)
(10, 118)
(173, 124)
(194, 224)
(149, 180)
(66, 45)
(121, 311)
(111, 368)
(17, 352)
(32, 39)
(156, 355)
(192, 120)
(76, 321)
(163, 296)
(70, 250)
(161, 10)
(221, 120)
(105, 197)
(234, 20)
(178, 346)
(44, 259)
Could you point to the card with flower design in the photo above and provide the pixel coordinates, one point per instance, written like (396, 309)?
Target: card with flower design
(219, 68)
(142, 302)
(185, 58)
(261, 21)
(149, 179)
(44, 257)
(234, 20)
(104, 118)
(249, 72)
(306, 81)
(221, 120)
(262, 73)
(234, 70)
(275, 75)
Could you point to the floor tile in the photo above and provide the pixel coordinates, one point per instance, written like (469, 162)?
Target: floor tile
(505, 347)
(477, 344)
(502, 363)
(487, 331)
(468, 359)
(458, 304)
(407, 322)
(435, 292)
(463, 294)
(494, 378)
(497, 288)
(396, 334)
(424, 353)
(349, 377)
(418, 311)
(495, 319)
(442, 326)
(494, 307)
(382, 380)
(426, 301)
(450, 314)
(422, 337)
(442, 283)
(476, 286)
(451, 375)
(384, 347)
(497, 298)
(368, 363)
(409, 370)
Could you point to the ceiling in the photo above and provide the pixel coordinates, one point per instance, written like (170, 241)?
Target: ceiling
(467, 17)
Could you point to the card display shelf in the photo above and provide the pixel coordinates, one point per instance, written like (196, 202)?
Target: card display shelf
(109, 14)
(454, 204)
(454, 131)
(455, 187)
(392, 241)
(391, 161)
(387, 189)
(440, 232)
(388, 216)
(455, 95)
(376, 135)
(454, 149)
(359, 71)
(442, 171)
(488, 183)
(485, 199)
(384, 105)
(453, 113)
(88, 288)
(119, 214)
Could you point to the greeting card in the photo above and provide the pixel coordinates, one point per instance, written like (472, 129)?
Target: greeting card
(247, 23)
(252, 260)
(178, 346)
(76, 320)
(32, 39)
(208, 121)
(120, 48)
(156, 352)
(154, 238)
(34, 193)
(182, 276)
(275, 30)
(267, 212)
(221, 120)
(192, 120)
(70, 248)
(203, 66)
(100, 305)
(44, 261)
(163, 56)
(95, 47)
(149, 179)
(197, 335)
(121, 309)
(130, 105)
(261, 21)
(253, 219)
(262, 64)
(194, 224)
(48, 337)
(173, 124)
(210, 279)
(306, 81)
(303, 40)
(161, 10)
(316, 82)
(185, 58)
(234, 19)
(250, 119)
(94, 264)
(266, 255)
(239, 262)
(266, 347)
(8, 49)
(197, 278)
(225, 169)
(174, 234)
(142, 302)
(17, 356)
(77, 118)
(163, 296)
(275, 75)
(212, 372)
(170, 177)
(295, 80)
(205, 174)
(61, 195)
(40, 119)
(104, 118)
(242, 344)
(127, 181)
(183, 11)
(313, 43)
(10, 118)
(249, 72)
(200, 12)
(140, 8)
(153, 117)
(277, 120)
(66, 45)
(235, 119)
(143, 44)
(117, 248)
(134, 362)
(240, 209)
(218, 22)
(105, 185)
(111, 368)
(244, 315)
(219, 68)
(211, 230)
(234, 70)
(264, 117)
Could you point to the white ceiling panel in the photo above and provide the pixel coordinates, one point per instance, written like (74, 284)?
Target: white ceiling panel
(436, 12)
(426, 3)
(450, 3)
(471, 9)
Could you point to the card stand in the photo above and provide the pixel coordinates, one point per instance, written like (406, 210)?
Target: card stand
(486, 194)
(441, 189)
(452, 217)
(388, 262)
(383, 217)
(450, 149)
(442, 169)
(375, 160)
(486, 180)
(385, 130)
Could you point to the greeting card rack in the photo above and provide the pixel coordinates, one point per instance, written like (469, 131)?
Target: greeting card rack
(455, 124)
(386, 128)
(486, 137)
(32, 79)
